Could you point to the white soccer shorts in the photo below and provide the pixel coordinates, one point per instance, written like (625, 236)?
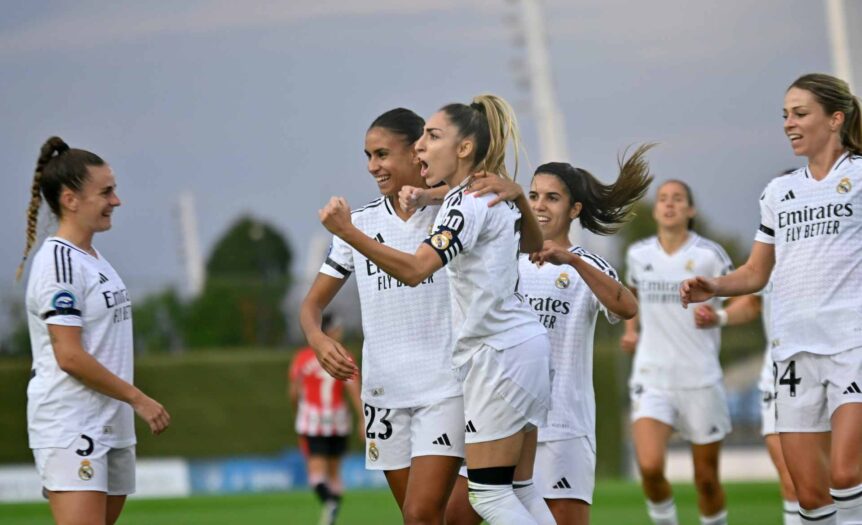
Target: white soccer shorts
(700, 415)
(393, 437)
(566, 469)
(810, 387)
(767, 413)
(87, 465)
(506, 391)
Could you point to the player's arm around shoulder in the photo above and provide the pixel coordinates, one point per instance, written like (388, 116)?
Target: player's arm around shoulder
(78, 363)
(509, 190)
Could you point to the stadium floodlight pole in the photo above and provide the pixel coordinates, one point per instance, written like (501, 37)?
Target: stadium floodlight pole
(546, 108)
(836, 21)
(191, 247)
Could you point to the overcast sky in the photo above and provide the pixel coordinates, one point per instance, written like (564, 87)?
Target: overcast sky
(261, 107)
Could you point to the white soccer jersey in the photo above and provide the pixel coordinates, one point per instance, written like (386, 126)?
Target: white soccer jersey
(817, 232)
(70, 287)
(480, 247)
(672, 352)
(407, 352)
(568, 309)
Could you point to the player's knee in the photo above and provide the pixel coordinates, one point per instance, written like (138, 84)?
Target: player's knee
(421, 512)
(652, 471)
(706, 482)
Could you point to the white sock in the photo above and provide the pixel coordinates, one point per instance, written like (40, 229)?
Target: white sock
(791, 513)
(662, 512)
(719, 518)
(849, 504)
(526, 492)
(498, 504)
(823, 516)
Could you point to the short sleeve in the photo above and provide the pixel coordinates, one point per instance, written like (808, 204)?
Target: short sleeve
(60, 292)
(457, 227)
(631, 269)
(607, 269)
(766, 230)
(339, 260)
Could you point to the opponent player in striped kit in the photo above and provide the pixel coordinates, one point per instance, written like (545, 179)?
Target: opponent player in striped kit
(676, 381)
(501, 349)
(810, 243)
(81, 399)
(323, 420)
(414, 413)
(567, 287)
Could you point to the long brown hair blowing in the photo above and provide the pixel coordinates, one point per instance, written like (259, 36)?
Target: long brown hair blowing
(605, 207)
(491, 122)
(834, 95)
(57, 167)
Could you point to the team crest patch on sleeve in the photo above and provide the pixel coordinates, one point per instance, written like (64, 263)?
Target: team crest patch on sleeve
(563, 281)
(844, 186)
(441, 240)
(85, 472)
(63, 300)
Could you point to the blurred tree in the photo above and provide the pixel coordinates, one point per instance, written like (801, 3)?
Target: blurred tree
(157, 322)
(247, 281)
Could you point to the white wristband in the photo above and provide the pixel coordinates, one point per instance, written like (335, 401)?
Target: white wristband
(722, 317)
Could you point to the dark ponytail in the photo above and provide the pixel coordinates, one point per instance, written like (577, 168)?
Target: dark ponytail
(605, 208)
(57, 167)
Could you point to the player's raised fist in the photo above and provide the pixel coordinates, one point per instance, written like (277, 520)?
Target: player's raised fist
(335, 216)
(411, 198)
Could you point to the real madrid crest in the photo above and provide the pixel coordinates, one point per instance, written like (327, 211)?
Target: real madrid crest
(844, 186)
(689, 265)
(563, 281)
(86, 470)
(441, 240)
(373, 451)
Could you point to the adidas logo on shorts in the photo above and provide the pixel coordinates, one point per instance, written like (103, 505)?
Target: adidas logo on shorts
(442, 440)
(853, 389)
(470, 427)
(562, 484)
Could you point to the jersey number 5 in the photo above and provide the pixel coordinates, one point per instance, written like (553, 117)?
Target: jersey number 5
(370, 412)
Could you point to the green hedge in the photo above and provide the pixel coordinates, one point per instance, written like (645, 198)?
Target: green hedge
(229, 402)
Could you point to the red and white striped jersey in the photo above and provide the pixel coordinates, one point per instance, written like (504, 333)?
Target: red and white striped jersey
(322, 409)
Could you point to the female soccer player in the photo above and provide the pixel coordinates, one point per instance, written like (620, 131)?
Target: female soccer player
(676, 381)
(501, 349)
(810, 242)
(414, 412)
(567, 286)
(740, 311)
(323, 420)
(80, 398)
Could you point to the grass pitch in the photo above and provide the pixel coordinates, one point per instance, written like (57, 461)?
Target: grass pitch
(616, 503)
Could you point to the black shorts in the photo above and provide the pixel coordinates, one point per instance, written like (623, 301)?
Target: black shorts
(329, 446)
